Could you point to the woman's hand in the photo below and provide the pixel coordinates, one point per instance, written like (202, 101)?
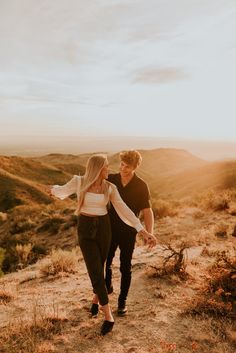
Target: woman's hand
(149, 238)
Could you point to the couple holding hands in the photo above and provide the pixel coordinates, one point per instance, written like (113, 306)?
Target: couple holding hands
(108, 210)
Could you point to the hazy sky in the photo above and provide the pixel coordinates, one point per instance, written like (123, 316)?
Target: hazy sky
(118, 67)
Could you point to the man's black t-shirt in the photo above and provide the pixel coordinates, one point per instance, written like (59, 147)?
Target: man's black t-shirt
(135, 194)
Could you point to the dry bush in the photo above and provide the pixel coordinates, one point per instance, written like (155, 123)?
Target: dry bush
(21, 225)
(221, 230)
(51, 225)
(5, 297)
(163, 208)
(218, 296)
(60, 261)
(173, 263)
(216, 201)
(23, 252)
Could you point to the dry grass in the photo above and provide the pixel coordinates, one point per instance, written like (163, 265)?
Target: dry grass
(5, 297)
(29, 337)
(216, 201)
(221, 230)
(163, 208)
(60, 261)
(23, 252)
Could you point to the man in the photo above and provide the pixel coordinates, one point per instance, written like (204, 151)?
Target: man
(135, 193)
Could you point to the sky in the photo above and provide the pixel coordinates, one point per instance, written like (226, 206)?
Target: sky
(79, 68)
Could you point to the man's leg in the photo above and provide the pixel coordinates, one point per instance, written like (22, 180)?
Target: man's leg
(111, 254)
(127, 243)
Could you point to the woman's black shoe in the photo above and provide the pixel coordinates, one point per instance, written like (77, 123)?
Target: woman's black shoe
(107, 327)
(94, 310)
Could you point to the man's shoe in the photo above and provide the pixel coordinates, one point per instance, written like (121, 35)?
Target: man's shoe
(107, 327)
(94, 310)
(122, 308)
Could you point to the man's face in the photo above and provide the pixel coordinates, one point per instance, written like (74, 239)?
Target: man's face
(126, 170)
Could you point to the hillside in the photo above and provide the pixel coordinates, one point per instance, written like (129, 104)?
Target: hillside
(17, 191)
(156, 164)
(22, 180)
(170, 173)
(216, 175)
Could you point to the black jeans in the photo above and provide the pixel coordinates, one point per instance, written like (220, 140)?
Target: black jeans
(94, 235)
(125, 239)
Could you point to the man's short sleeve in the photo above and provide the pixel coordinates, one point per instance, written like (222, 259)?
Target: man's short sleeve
(144, 200)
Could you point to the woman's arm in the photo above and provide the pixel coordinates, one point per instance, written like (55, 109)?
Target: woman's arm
(128, 217)
(123, 211)
(63, 191)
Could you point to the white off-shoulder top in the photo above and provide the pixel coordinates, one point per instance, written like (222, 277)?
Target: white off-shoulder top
(96, 204)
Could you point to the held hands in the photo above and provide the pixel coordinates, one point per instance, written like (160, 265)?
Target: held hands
(149, 238)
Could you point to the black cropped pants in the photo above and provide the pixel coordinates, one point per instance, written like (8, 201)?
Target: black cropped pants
(94, 235)
(124, 238)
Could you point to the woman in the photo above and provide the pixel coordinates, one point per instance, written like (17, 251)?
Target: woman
(94, 193)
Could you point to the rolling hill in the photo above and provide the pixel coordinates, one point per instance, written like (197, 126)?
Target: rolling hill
(22, 181)
(170, 173)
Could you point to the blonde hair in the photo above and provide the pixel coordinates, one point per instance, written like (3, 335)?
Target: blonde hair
(93, 169)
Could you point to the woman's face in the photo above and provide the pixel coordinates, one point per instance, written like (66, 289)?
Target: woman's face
(104, 171)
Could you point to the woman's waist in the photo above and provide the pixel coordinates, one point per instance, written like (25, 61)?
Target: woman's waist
(92, 215)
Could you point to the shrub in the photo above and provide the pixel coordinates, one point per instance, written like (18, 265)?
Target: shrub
(217, 298)
(60, 261)
(221, 230)
(163, 208)
(21, 226)
(51, 225)
(23, 252)
(216, 201)
(5, 297)
(174, 263)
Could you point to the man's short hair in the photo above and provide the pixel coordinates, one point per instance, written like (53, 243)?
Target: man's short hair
(131, 157)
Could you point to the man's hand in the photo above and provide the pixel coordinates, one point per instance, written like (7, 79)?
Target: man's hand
(149, 239)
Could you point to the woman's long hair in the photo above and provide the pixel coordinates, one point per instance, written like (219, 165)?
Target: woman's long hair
(93, 169)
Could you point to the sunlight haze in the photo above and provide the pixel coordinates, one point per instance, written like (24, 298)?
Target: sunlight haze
(118, 68)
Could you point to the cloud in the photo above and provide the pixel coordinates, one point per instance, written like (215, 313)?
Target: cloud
(158, 75)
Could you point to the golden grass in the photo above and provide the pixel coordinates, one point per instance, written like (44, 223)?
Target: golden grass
(60, 261)
(30, 337)
(162, 208)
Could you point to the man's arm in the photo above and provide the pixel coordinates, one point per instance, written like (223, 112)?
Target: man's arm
(148, 219)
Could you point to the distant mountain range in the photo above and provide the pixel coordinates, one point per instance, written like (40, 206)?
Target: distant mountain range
(170, 173)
